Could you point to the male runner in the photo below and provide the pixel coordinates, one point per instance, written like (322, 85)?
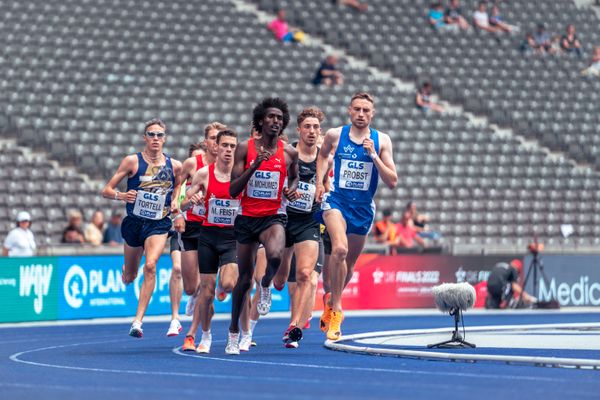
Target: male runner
(216, 246)
(260, 169)
(151, 180)
(361, 155)
(192, 230)
(302, 230)
(175, 286)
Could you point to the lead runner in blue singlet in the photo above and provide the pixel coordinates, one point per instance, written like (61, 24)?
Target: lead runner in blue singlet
(360, 156)
(151, 179)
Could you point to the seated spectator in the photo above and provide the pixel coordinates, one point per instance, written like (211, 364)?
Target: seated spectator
(423, 99)
(328, 74)
(594, 68)
(112, 234)
(20, 241)
(420, 223)
(453, 15)
(543, 42)
(73, 232)
(481, 19)
(569, 43)
(385, 229)
(93, 231)
(408, 237)
(280, 29)
(528, 45)
(496, 21)
(357, 5)
(436, 18)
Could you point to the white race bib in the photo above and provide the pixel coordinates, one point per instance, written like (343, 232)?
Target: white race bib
(355, 174)
(263, 185)
(149, 205)
(222, 211)
(307, 197)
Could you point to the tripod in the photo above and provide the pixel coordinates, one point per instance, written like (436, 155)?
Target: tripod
(535, 267)
(457, 340)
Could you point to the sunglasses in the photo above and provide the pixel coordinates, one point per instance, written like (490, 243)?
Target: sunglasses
(159, 135)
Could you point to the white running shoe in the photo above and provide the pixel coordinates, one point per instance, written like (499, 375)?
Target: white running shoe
(191, 303)
(174, 328)
(204, 346)
(233, 346)
(264, 303)
(136, 330)
(245, 342)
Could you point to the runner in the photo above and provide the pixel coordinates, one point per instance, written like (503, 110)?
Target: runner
(216, 246)
(260, 169)
(151, 179)
(175, 285)
(194, 218)
(361, 155)
(302, 231)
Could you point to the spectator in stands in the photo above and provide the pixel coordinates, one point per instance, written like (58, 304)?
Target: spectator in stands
(594, 68)
(543, 42)
(569, 43)
(385, 229)
(112, 234)
(20, 241)
(280, 29)
(453, 15)
(436, 18)
(481, 19)
(528, 45)
(420, 223)
(496, 21)
(357, 5)
(73, 232)
(328, 73)
(408, 237)
(93, 231)
(503, 286)
(423, 99)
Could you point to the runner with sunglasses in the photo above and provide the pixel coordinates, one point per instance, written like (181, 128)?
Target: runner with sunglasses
(150, 199)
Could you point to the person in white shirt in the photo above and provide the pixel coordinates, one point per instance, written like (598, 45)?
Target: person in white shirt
(481, 19)
(20, 241)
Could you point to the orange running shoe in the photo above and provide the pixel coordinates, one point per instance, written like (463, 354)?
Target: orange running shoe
(326, 316)
(188, 344)
(335, 325)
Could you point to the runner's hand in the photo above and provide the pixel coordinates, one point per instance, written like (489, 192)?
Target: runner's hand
(291, 195)
(196, 199)
(130, 196)
(263, 155)
(319, 192)
(369, 147)
(179, 224)
(174, 207)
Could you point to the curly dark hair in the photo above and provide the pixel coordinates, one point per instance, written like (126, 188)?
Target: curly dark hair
(310, 112)
(260, 111)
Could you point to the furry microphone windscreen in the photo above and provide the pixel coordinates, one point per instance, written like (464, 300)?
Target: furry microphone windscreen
(454, 295)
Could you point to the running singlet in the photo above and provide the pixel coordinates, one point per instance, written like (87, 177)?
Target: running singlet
(355, 177)
(221, 208)
(197, 212)
(263, 194)
(154, 187)
(306, 188)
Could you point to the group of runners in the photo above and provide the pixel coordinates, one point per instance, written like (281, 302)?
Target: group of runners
(257, 211)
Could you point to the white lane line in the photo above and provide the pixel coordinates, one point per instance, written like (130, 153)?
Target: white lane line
(237, 359)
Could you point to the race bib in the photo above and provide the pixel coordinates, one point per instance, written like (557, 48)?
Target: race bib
(355, 175)
(199, 209)
(306, 199)
(222, 211)
(264, 185)
(149, 205)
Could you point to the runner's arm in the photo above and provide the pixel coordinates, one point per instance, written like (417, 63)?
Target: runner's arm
(323, 161)
(125, 168)
(177, 169)
(385, 162)
(239, 176)
(194, 193)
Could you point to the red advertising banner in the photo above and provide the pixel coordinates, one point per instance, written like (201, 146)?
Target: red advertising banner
(405, 281)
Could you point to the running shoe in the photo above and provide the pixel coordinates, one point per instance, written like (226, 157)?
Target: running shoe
(136, 330)
(204, 346)
(307, 324)
(188, 344)
(246, 342)
(335, 325)
(189, 307)
(291, 337)
(233, 346)
(174, 328)
(253, 343)
(264, 303)
(220, 294)
(327, 310)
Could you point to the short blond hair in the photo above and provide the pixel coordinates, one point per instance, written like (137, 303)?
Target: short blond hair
(363, 96)
(213, 125)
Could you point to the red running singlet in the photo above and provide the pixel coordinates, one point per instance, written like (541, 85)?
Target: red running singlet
(221, 208)
(196, 213)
